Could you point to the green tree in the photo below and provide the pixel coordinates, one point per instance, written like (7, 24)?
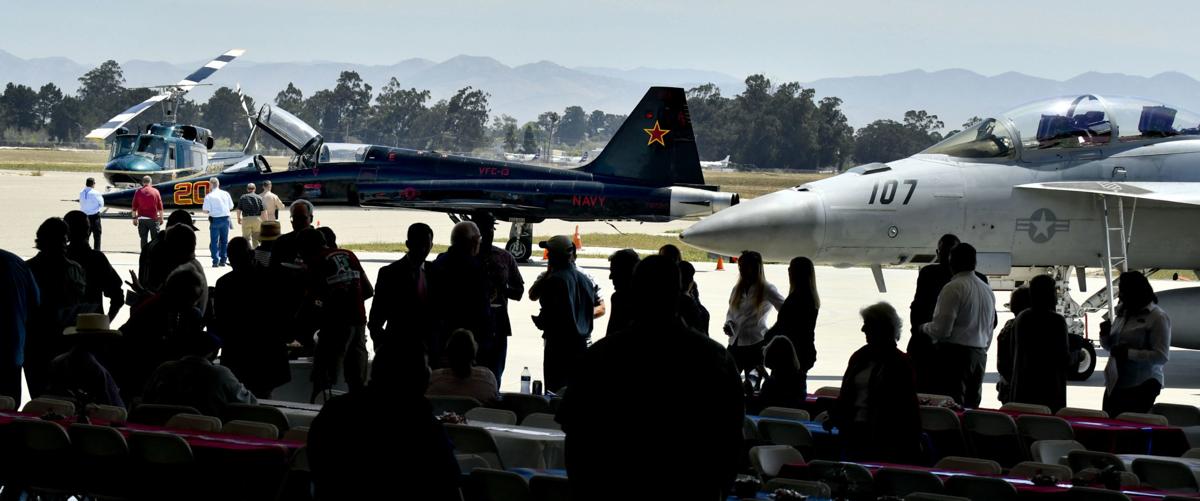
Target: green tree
(466, 120)
(351, 101)
(223, 115)
(47, 98)
(290, 99)
(595, 123)
(20, 103)
(572, 129)
(66, 120)
(102, 92)
(396, 113)
(835, 136)
(529, 143)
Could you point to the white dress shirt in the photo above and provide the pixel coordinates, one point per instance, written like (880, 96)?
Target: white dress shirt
(749, 320)
(1147, 333)
(965, 313)
(218, 203)
(90, 201)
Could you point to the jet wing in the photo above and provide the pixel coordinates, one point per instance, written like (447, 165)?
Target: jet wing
(1172, 193)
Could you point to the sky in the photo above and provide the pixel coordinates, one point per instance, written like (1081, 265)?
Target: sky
(790, 40)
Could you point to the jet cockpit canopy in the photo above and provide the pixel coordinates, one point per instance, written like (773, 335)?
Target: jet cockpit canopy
(1082, 121)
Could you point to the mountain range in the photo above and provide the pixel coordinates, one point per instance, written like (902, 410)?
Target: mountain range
(526, 90)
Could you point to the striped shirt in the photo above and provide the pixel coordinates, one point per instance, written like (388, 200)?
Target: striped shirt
(251, 205)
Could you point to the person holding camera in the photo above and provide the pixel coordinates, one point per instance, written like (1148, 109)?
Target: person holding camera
(569, 301)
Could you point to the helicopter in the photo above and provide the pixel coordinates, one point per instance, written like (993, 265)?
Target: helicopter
(166, 150)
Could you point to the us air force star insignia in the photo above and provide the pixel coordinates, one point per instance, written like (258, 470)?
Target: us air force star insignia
(656, 134)
(1042, 226)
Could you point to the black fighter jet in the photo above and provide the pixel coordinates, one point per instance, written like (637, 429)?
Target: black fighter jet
(650, 171)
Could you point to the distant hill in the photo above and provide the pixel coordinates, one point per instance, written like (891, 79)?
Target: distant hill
(524, 91)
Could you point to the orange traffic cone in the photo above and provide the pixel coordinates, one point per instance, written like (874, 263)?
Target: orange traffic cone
(545, 254)
(576, 240)
(720, 263)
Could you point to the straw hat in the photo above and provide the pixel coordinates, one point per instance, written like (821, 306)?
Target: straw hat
(270, 230)
(91, 324)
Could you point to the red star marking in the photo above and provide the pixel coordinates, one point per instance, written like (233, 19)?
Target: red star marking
(656, 134)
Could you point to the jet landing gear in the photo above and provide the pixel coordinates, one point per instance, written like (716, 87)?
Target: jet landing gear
(1083, 350)
(520, 241)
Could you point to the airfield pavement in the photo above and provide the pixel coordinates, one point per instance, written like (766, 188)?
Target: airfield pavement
(27, 200)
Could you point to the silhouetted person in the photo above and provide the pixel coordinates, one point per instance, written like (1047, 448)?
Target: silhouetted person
(698, 376)
(797, 319)
(287, 250)
(152, 267)
(462, 294)
(746, 321)
(620, 271)
(269, 231)
(694, 314)
(175, 252)
(156, 329)
(1138, 342)
(195, 381)
(254, 351)
(569, 303)
(339, 286)
(505, 283)
(352, 461)
(62, 283)
(1042, 352)
(787, 384)
(962, 326)
(930, 281)
(80, 369)
(102, 280)
(19, 300)
(877, 414)
(1006, 344)
(296, 316)
(462, 377)
(673, 253)
(401, 312)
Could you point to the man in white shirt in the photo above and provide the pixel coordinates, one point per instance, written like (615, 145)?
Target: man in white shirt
(962, 326)
(90, 202)
(218, 204)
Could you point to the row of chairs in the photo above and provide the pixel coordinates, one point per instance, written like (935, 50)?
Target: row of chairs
(98, 460)
(154, 414)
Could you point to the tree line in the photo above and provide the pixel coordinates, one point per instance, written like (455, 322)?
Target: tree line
(767, 125)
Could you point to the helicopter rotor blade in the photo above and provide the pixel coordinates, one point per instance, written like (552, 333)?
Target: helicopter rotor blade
(170, 92)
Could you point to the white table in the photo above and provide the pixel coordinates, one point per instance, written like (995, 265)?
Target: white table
(527, 447)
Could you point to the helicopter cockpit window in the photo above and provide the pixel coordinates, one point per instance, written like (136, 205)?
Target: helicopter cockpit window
(151, 147)
(987, 139)
(123, 145)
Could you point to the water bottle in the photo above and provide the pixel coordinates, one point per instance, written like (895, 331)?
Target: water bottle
(526, 380)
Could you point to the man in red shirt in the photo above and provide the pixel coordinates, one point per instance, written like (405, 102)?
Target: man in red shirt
(147, 211)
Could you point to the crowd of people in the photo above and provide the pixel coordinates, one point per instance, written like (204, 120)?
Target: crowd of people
(440, 327)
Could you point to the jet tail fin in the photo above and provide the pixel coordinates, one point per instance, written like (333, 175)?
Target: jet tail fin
(655, 144)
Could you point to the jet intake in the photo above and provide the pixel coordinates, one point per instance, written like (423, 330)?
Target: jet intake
(694, 202)
(1180, 305)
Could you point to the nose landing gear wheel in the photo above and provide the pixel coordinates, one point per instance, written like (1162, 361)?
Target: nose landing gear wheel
(521, 249)
(1085, 353)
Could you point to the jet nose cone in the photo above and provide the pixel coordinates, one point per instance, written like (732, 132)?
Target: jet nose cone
(781, 226)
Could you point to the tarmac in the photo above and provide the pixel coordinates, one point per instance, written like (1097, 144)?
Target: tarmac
(28, 200)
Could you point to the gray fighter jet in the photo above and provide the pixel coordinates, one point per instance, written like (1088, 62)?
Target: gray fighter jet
(1044, 188)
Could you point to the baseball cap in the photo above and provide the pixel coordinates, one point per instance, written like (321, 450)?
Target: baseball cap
(560, 244)
(180, 216)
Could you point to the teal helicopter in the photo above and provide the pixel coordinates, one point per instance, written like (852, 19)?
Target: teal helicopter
(166, 150)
